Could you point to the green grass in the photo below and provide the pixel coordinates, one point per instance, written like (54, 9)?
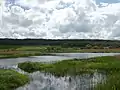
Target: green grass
(23, 55)
(114, 50)
(108, 64)
(112, 82)
(15, 51)
(9, 79)
(74, 66)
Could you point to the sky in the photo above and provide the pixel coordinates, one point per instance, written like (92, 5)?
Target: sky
(60, 19)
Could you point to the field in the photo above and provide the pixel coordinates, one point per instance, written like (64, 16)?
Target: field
(14, 51)
(108, 64)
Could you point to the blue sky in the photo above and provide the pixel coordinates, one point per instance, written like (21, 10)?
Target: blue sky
(97, 1)
(108, 1)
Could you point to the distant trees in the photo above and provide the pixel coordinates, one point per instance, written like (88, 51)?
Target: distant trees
(96, 47)
(88, 46)
(64, 43)
(54, 48)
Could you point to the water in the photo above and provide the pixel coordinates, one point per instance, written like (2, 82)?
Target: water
(86, 55)
(59, 56)
(14, 61)
(42, 81)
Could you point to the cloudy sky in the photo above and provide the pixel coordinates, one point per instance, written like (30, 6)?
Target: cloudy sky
(60, 19)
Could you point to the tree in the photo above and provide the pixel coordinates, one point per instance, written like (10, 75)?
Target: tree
(88, 46)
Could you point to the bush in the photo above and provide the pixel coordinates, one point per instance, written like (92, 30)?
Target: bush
(10, 79)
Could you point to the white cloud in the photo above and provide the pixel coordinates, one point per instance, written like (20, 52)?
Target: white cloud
(60, 19)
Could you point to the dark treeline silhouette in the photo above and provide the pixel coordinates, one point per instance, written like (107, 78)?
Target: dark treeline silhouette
(62, 42)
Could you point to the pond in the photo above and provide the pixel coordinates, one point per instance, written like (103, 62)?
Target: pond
(42, 81)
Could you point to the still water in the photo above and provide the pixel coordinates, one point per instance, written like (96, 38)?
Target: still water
(42, 81)
(57, 57)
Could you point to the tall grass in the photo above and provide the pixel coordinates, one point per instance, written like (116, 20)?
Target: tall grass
(106, 63)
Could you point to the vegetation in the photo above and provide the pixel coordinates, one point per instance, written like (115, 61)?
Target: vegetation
(62, 42)
(14, 55)
(112, 82)
(9, 79)
(75, 66)
(108, 64)
(14, 51)
(13, 48)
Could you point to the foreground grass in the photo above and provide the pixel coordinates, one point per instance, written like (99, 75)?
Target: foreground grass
(9, 79)
(112, 82)
(108, 64)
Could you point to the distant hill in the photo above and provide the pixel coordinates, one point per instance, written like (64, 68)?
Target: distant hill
(62, 42)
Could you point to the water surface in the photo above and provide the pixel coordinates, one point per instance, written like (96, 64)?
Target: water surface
(59, 56)
(42, 81)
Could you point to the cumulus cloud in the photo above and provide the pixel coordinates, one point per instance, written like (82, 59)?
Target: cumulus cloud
(59, 19)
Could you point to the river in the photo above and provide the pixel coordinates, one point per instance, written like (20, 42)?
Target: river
(57, 57)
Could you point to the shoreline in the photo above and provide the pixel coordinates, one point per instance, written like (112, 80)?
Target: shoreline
(44, 54)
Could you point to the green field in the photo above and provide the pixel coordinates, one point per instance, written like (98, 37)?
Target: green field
(14, 51)
(108, 64)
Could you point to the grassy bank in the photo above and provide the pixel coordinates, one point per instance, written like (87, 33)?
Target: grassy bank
(108, 64)
(23, 55)
(15, 51)
(9, 80)
(75, 66)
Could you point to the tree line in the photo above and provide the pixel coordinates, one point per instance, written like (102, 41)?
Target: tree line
(82, 43)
